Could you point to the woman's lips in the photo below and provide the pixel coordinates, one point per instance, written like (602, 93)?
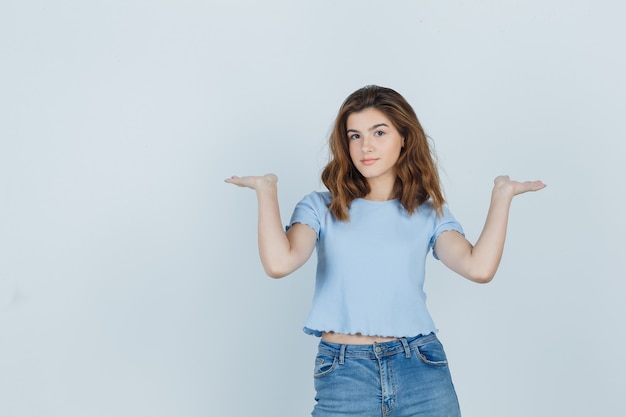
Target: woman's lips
(368, 161)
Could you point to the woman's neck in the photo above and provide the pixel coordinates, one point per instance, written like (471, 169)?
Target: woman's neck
(380, 191)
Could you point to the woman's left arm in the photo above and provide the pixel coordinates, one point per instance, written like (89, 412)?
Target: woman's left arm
(480, 262)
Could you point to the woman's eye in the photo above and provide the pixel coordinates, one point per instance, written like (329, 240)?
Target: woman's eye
(379, 133)
(354, 137)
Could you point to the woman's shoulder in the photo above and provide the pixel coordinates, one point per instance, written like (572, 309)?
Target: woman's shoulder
(319, 197)
(428, 208)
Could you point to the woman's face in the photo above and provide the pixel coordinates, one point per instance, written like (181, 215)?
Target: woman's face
(375, 146)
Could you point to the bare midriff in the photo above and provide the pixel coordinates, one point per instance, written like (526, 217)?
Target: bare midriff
(354, 339)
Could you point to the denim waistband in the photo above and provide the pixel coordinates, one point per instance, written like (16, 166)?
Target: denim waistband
(401, 345)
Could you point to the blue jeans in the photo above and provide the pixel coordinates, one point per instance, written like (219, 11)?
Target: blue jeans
(401, 378)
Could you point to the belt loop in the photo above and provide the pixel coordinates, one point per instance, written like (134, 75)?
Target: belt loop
(342, 354)
(407, 349)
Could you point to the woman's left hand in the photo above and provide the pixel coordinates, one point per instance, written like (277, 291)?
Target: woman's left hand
(503, 183)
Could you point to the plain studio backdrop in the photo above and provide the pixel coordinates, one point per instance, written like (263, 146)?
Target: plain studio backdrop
(130, 283)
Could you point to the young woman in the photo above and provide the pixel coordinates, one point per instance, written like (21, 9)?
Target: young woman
(383, 212)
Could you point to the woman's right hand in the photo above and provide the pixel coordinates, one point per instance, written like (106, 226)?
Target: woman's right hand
(254, 182)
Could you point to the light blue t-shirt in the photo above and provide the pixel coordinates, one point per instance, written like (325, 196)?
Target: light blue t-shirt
(370, 269)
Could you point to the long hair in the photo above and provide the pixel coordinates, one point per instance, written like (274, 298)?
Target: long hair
(417, 178)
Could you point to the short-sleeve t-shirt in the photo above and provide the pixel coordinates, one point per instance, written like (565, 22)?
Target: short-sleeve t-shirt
(371, 269)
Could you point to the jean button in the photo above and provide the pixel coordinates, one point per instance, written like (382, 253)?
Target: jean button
(378, 349)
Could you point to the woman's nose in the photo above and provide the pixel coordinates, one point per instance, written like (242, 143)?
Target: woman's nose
(367, 145)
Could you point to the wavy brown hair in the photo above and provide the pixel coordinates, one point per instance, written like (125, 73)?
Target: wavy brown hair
(417, 178)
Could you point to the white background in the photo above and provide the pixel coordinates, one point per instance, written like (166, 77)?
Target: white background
(129, 277)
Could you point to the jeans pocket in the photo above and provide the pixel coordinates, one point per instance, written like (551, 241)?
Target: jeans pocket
(325, 363)
(432, 353)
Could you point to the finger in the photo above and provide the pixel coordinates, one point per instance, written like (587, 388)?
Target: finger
(532, 186)
(234, 180)
(535, 184)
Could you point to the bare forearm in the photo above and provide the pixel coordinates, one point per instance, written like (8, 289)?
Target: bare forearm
(274, 246)
(487, 252)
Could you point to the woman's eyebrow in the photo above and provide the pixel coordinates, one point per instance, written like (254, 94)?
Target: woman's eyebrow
(376, 126)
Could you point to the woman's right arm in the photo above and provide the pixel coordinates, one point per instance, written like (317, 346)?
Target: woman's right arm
(281, 252)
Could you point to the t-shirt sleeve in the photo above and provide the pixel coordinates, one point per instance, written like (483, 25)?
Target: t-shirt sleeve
(445, 223)
(307, 212)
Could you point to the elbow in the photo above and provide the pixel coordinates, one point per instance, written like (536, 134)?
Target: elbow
(279, 267)
(274, 267)
(481, 271)
(482, 277)
(274, 271)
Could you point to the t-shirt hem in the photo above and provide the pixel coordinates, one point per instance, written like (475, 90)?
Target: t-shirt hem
(318, 333)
